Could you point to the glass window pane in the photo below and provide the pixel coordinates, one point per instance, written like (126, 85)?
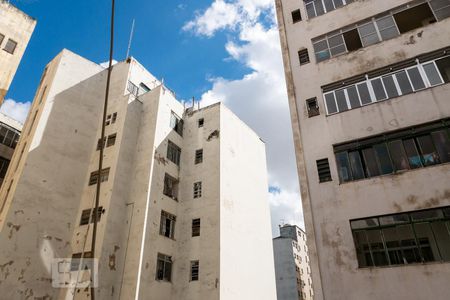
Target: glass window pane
(310, 10)
(416, 78)
(442, 142)
(371, 162)
(341, 100)
(329, 5)
(408, 243)
(364, 93)
(370, 39)
(398, 155)
(343, 167)
(319, 7)
(383, 158)
(3, 132)
(362, 249)
(387, 27)
(442, 233)
(393, 246)
(356, 165)
(429, 153)
(321, 50)
(364, 223)
(378, 89)
(443, 65)
(339, 3)
(412, 153)
(403, 82)
(335, 40)
(385, 22)
(389, 84)
(330, 103)
(427, 243)
(338, 50)
(427, 215)
(367, 29)
(447, 212)
(394, 219)
(432, 74)
(353, 96)
(377, 247)
(441, 8)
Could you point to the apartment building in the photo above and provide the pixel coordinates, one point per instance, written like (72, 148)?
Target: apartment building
(292, 270)
(16, 28)
(9, 136)
(180, 186)
(369, 97)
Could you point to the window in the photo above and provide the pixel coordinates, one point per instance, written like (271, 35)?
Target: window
(176, 123)
(303, 56)
(198, 156)
(200, 122)
(296, 16)
(170, 187)
(404, 238)
(133, 89)
(197, 189)
(312, 107)
(323, 169)
(111, 119)
(196, 227)
(114, 118)
(415, 17)
(8, 136)
(194, 270)
(390, 85)
(1, 38)
(394, 152)
(10, 46)
(4, 164)
(99, 143)
(94, 176)
(111, 140)
(167, 225)
(316, 8)
(86, 215)
(76, 260)
(164, 267)
(143, 88)
(173, 153)
(441, 9)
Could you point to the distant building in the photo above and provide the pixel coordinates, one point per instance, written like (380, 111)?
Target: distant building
(16, 29)
(9, 136)
(180, 187)
(369, 93)
(292, 270)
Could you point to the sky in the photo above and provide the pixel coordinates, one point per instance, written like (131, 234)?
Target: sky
(214, 51)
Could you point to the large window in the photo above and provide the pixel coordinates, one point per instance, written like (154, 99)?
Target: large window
(173, 153)
(316, 8)
(88, 217)
(9, 136)
(404, 238)
(197, 189)
(176, 123)
(164, 267)
(94, 176)
(167, 225)
(170, 187)
(412, 148)
(196, 227)
(381, 28)
(389, 85)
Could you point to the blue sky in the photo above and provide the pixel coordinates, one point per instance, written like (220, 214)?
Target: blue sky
(214, 50)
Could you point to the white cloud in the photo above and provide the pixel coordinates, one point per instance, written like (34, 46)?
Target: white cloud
(259, 97)
(16, 110)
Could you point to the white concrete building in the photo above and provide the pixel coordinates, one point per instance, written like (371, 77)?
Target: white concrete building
(368, 87)
(184, 211)
(9, 136)
(292, 270)
(16, 29)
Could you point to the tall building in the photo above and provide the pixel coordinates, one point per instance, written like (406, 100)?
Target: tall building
(9, 136)
(16, 29)
(368, 88)
(292, 270)
(183, 209)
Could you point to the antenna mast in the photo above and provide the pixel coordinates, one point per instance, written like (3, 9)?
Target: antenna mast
(131, 38)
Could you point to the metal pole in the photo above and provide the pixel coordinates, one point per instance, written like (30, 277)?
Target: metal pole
(102, 141)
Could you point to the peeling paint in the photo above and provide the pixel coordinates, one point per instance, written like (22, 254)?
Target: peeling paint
(13, 227)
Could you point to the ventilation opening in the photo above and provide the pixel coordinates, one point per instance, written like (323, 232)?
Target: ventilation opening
(312, 106)
(323, 169)
(296, 16)
(303, 56)
(415, 17)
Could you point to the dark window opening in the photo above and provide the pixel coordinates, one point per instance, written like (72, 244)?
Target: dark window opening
(86, 215)
(296, 16)
(198, 156)
(170, 187)
(200, 122)
(194, 270)
(196, 227)
(313, 107)
(416, 17)
(167, 224)
(323, 169)
(94, 176)
(176, 123)
(4, 164)
(173, 153)
(76, 260)
(303, 56)
(10, 46)
(443, 65)
(164, 267)
(352, 40)
(197, 189)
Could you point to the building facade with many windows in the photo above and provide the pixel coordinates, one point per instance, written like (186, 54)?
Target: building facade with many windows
(9, 137)
(368, 87)
(16, 29)
(179, 187)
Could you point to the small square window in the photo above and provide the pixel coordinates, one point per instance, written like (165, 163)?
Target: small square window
(196, 227)
(94, 176)
(198, 156)
(313, 107)
(86, 215)
(197, 189)
(108, 120)
(114, 118)
(296, 16)
(111, 140)
(10, 46)
(195, 266)
(303, 56)
(200, 122)
(1, 38)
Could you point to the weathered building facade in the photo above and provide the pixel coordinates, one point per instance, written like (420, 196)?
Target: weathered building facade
(9, 136)
(16, 29)
(292, 270)
(179, 190)
(368, 87)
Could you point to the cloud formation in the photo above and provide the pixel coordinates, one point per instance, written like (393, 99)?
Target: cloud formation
(259, 98)
(15, 109)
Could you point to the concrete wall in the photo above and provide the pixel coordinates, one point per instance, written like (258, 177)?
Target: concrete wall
(285, 273)
(328, 207)
(17, 26)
